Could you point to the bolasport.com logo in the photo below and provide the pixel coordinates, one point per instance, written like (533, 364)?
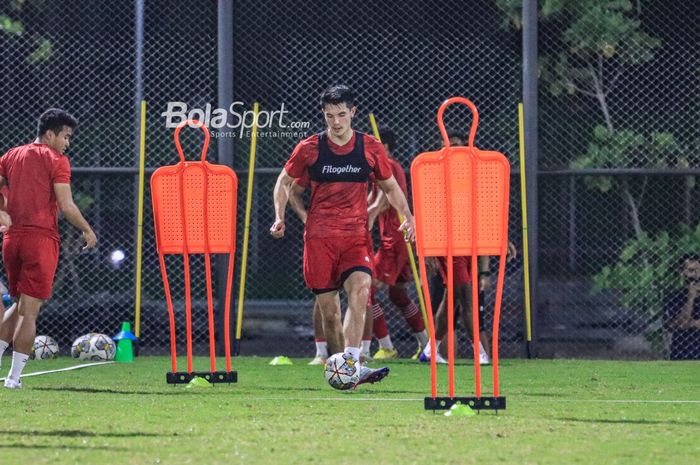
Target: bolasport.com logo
(237, 120)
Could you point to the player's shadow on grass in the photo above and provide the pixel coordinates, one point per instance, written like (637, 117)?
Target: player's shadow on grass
(60, 446)
(632, 422)
(72, 433)
(174, 392)
(287, 389)
(325, 390)
(535, 394)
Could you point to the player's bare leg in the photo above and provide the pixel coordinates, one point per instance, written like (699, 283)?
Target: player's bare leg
(357, 287)
(332, 327)
(398, 295)
(464, 299)
(319, 337)
(465, 302)
(380, 327)
(28, 309)
(365, 355)
(440, 328)
(485, 355)
(7, 328)
(318, 321)
(463, 308)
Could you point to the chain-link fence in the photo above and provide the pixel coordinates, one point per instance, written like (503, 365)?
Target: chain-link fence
(402, 66)
(611, 242)
(613, 95)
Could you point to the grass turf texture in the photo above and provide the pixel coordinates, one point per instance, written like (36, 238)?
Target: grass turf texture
(559, 412)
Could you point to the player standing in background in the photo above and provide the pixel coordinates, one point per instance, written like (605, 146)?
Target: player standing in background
(462, 288)
(391, 263)
(37, 176)
(462, 302)
(336, 253)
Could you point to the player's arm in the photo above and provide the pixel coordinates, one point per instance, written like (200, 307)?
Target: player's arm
(281, 198)
(397, 200)
(684, 318)
(296, 201)
(71, 212)
(5, 220)
(379, 205)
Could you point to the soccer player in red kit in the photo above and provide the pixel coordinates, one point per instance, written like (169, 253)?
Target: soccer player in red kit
(336, 251)
(37, 176)
(296, 201)
(391, 263)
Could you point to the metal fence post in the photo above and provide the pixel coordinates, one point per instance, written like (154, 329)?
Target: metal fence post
(138, 97)
(225, 144)
(530, 123)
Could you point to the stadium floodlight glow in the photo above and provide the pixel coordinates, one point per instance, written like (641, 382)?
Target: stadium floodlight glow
(117, 257)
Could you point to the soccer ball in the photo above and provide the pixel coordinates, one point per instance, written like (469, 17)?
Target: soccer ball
(102, 347)
(341, 372)
(81, 347)
(44, 348)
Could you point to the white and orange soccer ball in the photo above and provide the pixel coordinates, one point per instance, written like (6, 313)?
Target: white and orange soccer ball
(341, 372)
(44, 348)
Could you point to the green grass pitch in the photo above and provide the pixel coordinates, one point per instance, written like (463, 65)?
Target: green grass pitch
(559, 412)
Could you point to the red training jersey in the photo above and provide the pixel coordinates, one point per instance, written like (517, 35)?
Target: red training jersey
(389, 219)
(31, 171)
(338, 203)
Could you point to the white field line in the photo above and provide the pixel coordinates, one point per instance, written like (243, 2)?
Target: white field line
(512, 400)
(628, 401)
(76, 367)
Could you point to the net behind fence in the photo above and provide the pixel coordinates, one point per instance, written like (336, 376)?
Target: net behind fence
(615, 80)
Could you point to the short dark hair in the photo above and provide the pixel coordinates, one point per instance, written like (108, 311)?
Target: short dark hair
(456, 133)
(335, 95)
(388, 137)
(54, 119)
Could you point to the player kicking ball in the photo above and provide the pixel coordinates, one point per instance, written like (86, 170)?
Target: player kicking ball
(339, 162)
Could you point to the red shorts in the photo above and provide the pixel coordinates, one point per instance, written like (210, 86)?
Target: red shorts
(461, 268)
(30, 261)
(328, 261)
(391, 264)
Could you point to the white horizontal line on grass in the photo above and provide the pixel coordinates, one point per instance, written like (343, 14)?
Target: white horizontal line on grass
(617, 401)
(348, 398)
(403, 399)
(75, 367)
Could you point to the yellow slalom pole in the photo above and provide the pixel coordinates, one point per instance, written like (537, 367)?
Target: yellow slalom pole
(246, 227)
(523, 201)
(411, 258)
(139, 222)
